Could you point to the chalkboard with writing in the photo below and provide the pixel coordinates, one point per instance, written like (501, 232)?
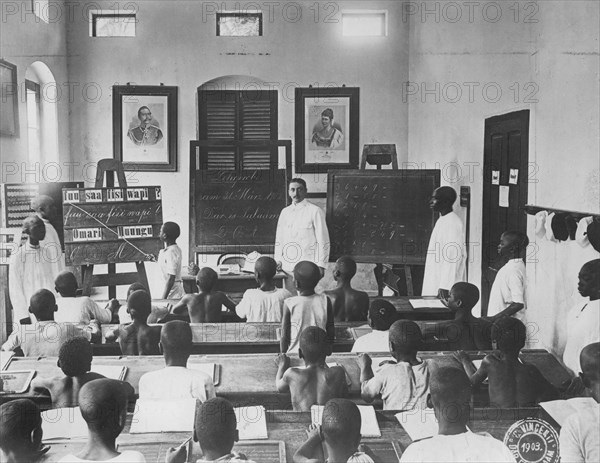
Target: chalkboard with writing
(381, 215)
(237, 211)
(15, 200)
(111, 225)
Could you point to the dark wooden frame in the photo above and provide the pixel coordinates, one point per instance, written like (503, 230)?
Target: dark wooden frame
(301, 94)
(120, 91)
(258, 14)
(95, 16)
(9, 110)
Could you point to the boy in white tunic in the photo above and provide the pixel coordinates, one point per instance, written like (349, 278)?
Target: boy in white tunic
(73, 309)
(444, 264)
(169, 259)
(30, 269)
(580, 433)
(507, 296)
(382, 314)
(451, 398)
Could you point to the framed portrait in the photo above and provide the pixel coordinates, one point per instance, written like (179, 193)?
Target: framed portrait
(327, 125)
(145, 127)
(9, 110)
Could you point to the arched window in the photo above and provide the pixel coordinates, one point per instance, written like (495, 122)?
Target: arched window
(42, 123)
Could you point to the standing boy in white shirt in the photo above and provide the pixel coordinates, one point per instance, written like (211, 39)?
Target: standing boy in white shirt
(170, 259)
(507, 296)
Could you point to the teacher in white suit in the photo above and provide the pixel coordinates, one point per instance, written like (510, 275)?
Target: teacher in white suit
(301, 233)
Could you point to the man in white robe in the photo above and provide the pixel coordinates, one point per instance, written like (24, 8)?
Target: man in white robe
(445, 263)
(44, 208)
(302, 234)
(30, 269)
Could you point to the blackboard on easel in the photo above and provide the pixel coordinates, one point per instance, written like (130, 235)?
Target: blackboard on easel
(381, 215)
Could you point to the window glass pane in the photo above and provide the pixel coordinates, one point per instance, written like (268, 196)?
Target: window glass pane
(33, 127)
(239, 25)
(363, 25)
(115, 25)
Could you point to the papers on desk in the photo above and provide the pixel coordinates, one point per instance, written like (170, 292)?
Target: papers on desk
(427, 304)
(251, 261)
(251, 422)
(63, 423)
(560, 410)
(110, 371)
(5, 357)
(211, 369)
(419, 423)
(163, 416)
(369, 426)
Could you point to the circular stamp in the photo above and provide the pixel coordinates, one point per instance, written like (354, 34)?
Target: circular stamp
(533, 440)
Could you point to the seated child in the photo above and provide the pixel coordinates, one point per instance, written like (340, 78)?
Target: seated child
(580, 435)
(137, 338)
(75, 361)
(317, 383)
(123, 317)
(103, 405)
(170, 259)
(339, 436)
(43, 338)
(465, 332)
(205, 306)
(348, 304)
(382, 314)
(305, 309)
(583, 320)
(455, 443)
(263, 304)
(21, 432)
(215, 428)
(511, 383)
(402, 385)
(176, 381)
(75, 309)
(507, 296)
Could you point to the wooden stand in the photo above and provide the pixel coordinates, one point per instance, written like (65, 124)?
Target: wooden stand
(107, 168)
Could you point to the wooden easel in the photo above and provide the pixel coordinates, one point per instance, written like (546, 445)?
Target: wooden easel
(107, 168)
(383, 155)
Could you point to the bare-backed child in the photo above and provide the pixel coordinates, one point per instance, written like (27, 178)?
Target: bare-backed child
(337, 440)
(348, 304)
(465, 332)
(305, 309)
(205, 306)
(403, 384)
(137, 338)
(316, 383)
(511, 382)
(265, 303)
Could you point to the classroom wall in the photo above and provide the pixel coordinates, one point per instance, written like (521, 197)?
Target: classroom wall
(550, 48)
(24, 40)
(176, 45)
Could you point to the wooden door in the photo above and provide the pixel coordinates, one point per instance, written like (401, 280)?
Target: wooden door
(506, 151)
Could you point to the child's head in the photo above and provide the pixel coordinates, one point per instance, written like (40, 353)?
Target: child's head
(103, 404)
(43, 305)
(513, 244)
(589, 279)
(590, 367)
(35, 228)
(206, 279)
(65, 284)
(176, 339)
(382, 314)
(20, 430)
(341, 424)
(442, 198)
(265, 268)
(405, 338)
(139, 305)
(75, 357)
(306, 275)
(169, 231)
(345, 268)
(450, 393)
(314, 345)
(463, 295)
(44, 206)
(137, 286)
(215, 427)
(509, 334)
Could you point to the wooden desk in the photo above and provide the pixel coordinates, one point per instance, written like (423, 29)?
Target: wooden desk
(232, 285)
(250, 379)
(289, 427)
(405, 310)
